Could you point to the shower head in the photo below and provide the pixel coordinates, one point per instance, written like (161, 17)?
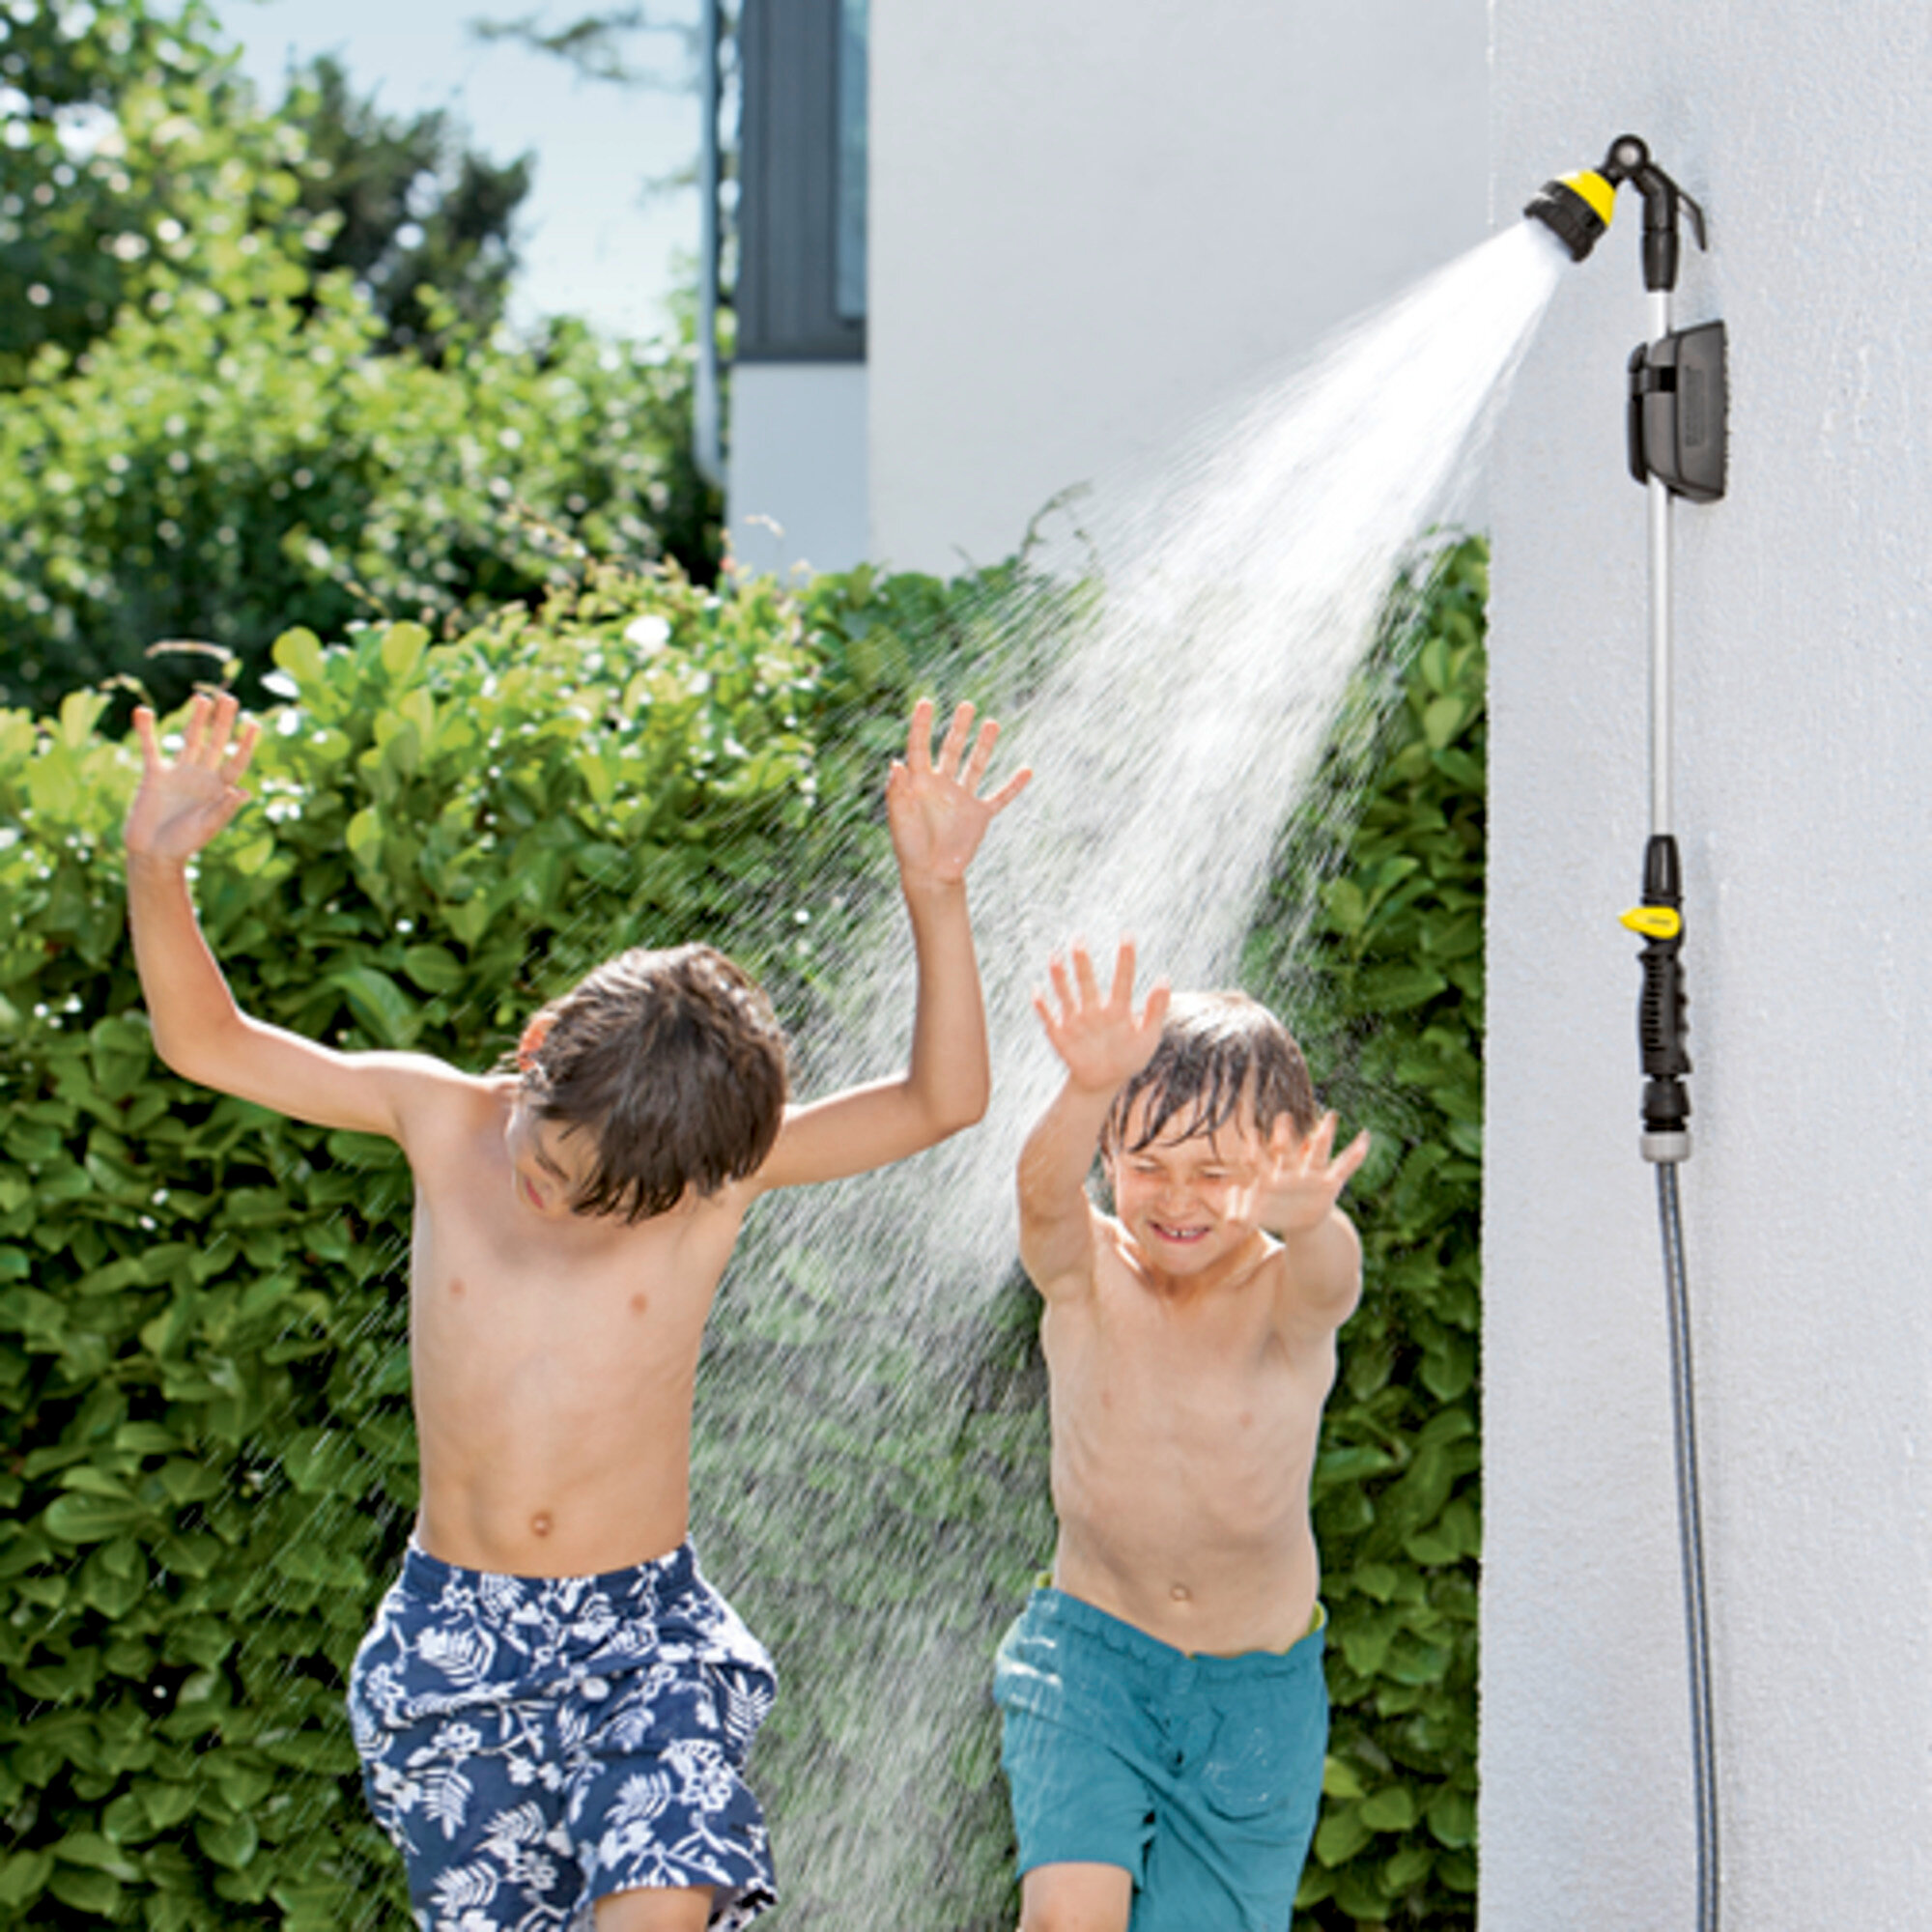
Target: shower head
(1577, 208)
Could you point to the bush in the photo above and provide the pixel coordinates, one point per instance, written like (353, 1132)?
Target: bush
(1388, 987)
(207, 433)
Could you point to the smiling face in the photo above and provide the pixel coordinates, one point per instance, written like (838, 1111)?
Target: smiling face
(1189, 1201)
(550, 1162)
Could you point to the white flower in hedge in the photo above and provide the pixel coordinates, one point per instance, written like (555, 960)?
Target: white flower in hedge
(648, 635)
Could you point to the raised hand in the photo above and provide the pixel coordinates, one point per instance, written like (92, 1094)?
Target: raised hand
(933, 808)
(179, 808)
(1302, 1179)
(1101, 1042)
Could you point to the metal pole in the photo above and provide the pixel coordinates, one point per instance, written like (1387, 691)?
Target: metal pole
(1660, 616)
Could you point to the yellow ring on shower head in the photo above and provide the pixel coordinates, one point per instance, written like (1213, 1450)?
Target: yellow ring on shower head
(1599, 193)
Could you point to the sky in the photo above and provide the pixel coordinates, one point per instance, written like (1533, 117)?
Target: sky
(590, 242)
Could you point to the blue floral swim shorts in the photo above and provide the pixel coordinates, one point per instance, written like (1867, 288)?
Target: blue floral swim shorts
(534, 1744)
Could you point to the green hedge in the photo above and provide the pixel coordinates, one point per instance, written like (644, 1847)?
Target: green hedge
(205, 1450)
(1386, 986)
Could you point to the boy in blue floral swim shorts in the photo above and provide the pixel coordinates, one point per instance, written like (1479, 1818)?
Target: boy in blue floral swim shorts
(1165, 1712)
(553, 1706)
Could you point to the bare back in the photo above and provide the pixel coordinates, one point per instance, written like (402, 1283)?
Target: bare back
(1185, 1429)
(552, 1359)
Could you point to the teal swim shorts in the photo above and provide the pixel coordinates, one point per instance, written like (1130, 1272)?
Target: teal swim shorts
(1200, 1775)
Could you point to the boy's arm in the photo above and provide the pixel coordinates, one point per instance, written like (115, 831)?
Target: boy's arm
(198, 1029)
(937, 820)
(1322, 1281)
(1102, 1046)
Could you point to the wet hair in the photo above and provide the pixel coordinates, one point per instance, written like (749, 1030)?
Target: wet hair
(1218, 1053)
(673, 1062)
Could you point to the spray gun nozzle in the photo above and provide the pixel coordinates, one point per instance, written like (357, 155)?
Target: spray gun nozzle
(1577, 208)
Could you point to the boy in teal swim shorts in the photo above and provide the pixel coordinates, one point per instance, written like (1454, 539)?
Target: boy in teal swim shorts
(1165, 1714)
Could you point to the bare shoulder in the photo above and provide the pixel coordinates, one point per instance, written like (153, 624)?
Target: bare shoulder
(1114, 1265)
(1316, 1278)
(1063, 1257)
(436, 1102)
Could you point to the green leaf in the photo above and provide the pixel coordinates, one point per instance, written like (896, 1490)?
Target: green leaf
(1442, 721)
(87, 1519)
(1389, 1809)
(96, 1853)
(92, 1891)
(1341, 1836)
(231, 1843)
(1452, 1819)
(299, 652)
(403, 647)
(109, 1583)
(1396, 989)
(364, 837)
(167, 1805)
(384, 1011)
(434, 968)
(23, 1875)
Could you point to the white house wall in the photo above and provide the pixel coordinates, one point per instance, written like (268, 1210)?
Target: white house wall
(1804, 740)
(797, 469)
(1092, 220)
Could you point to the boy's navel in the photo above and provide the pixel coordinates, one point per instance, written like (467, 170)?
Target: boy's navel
(540, 1524)
(456, 1286)
(639, 1303)
(1181, 1593)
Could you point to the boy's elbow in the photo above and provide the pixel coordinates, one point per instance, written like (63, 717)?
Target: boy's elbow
(951, 1107)
(195, 1052)
(958, 1113)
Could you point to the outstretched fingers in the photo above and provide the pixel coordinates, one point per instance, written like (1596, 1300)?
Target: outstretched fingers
(982, 751)
(953, 745)
(1350, 1160)
(144, 731)
(1009, 791)
(1317, 1156)
(1154, 1015)
(919, 739)
(1085, 978)
(244, 749)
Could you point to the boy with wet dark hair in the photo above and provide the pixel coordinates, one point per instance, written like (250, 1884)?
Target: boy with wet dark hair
(553, 1706)
(1165, 1712)
(1219, 1054)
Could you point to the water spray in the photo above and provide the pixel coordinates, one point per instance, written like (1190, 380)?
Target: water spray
(1676, 433)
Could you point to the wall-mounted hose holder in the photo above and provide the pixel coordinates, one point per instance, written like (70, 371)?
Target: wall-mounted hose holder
(1679, 404)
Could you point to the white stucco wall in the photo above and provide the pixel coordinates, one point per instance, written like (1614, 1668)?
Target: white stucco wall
(1092, 221)
(1804, 687)
(796, 480)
